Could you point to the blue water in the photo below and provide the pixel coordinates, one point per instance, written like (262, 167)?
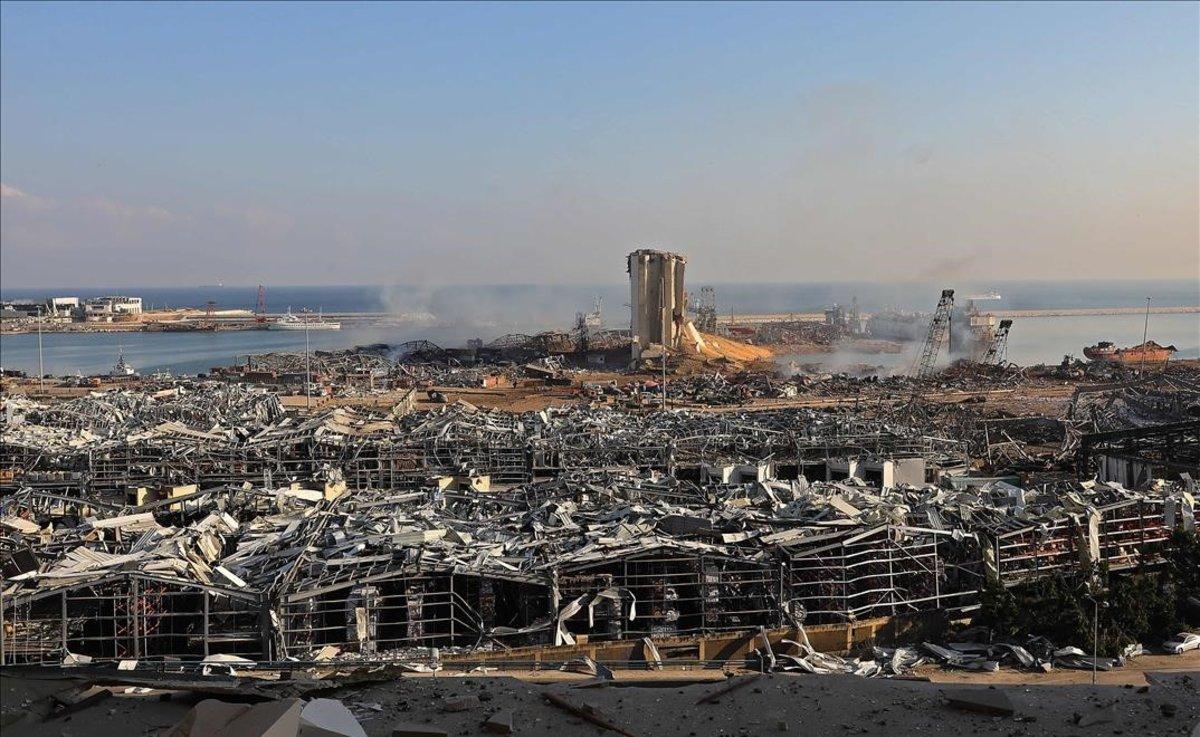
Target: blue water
(509, 303)
(488, 312)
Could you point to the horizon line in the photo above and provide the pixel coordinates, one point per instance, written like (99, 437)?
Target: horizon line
(928, 280)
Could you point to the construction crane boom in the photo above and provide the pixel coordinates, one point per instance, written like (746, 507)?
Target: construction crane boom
(997, 351)
(939, 328)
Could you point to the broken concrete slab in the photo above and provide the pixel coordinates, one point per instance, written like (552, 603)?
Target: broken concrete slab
(208, 719)
(464, 703)
(87, 699)
(407, 729)
(1099, 716)
(328, 718)
(500, 723)
(989, 701)
(268, 719)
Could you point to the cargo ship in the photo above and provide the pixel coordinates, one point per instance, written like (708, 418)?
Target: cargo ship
(1146, 353)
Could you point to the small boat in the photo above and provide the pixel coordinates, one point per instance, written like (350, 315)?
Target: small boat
(1146, 353)
(303, 322)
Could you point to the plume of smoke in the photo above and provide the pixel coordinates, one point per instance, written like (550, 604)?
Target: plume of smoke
(846, 359)
(490, 311)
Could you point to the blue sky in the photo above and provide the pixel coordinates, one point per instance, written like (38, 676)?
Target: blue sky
(372, 143)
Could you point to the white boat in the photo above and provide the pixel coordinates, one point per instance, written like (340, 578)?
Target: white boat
(122, 369)
(303, 322)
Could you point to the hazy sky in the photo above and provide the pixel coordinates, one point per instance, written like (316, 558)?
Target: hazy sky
(179, 144)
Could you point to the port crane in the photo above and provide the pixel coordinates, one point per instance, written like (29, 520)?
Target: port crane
(260, 307)
(999, 346)
(939, 329)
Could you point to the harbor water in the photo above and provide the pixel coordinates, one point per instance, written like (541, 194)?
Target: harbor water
(461, 313)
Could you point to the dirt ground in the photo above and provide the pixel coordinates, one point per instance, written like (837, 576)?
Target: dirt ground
(1149, 703)
(1043, 397)
(1044, 400)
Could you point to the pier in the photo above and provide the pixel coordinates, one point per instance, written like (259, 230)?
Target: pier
(766, 317)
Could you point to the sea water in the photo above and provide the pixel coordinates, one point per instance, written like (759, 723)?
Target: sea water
(451, 315)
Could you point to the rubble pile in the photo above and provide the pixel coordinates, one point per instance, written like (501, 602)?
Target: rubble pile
(318, 572)
(737, 388)
(1033, 654)
(201, 521)
(211, 433)
(1151, 400)
(963, 376)
(370, 368)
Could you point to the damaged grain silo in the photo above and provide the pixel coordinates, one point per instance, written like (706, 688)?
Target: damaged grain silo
(657, 300)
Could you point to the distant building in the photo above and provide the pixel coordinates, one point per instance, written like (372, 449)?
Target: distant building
(24, 308)
(66, 309)
(106, 309)
(63, 309)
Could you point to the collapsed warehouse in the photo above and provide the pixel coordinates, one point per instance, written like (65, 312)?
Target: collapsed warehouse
(210, 434)
(203, 521)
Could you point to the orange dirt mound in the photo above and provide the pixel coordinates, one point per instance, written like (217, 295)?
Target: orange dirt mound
(716, 346)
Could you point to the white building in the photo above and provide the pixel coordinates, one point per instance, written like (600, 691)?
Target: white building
(62, 308)
(105, 309)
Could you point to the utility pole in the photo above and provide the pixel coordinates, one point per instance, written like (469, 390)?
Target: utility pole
(41, 363)
(1096, 606)
(1095, 637)
(664, 378)
(1145, 333)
